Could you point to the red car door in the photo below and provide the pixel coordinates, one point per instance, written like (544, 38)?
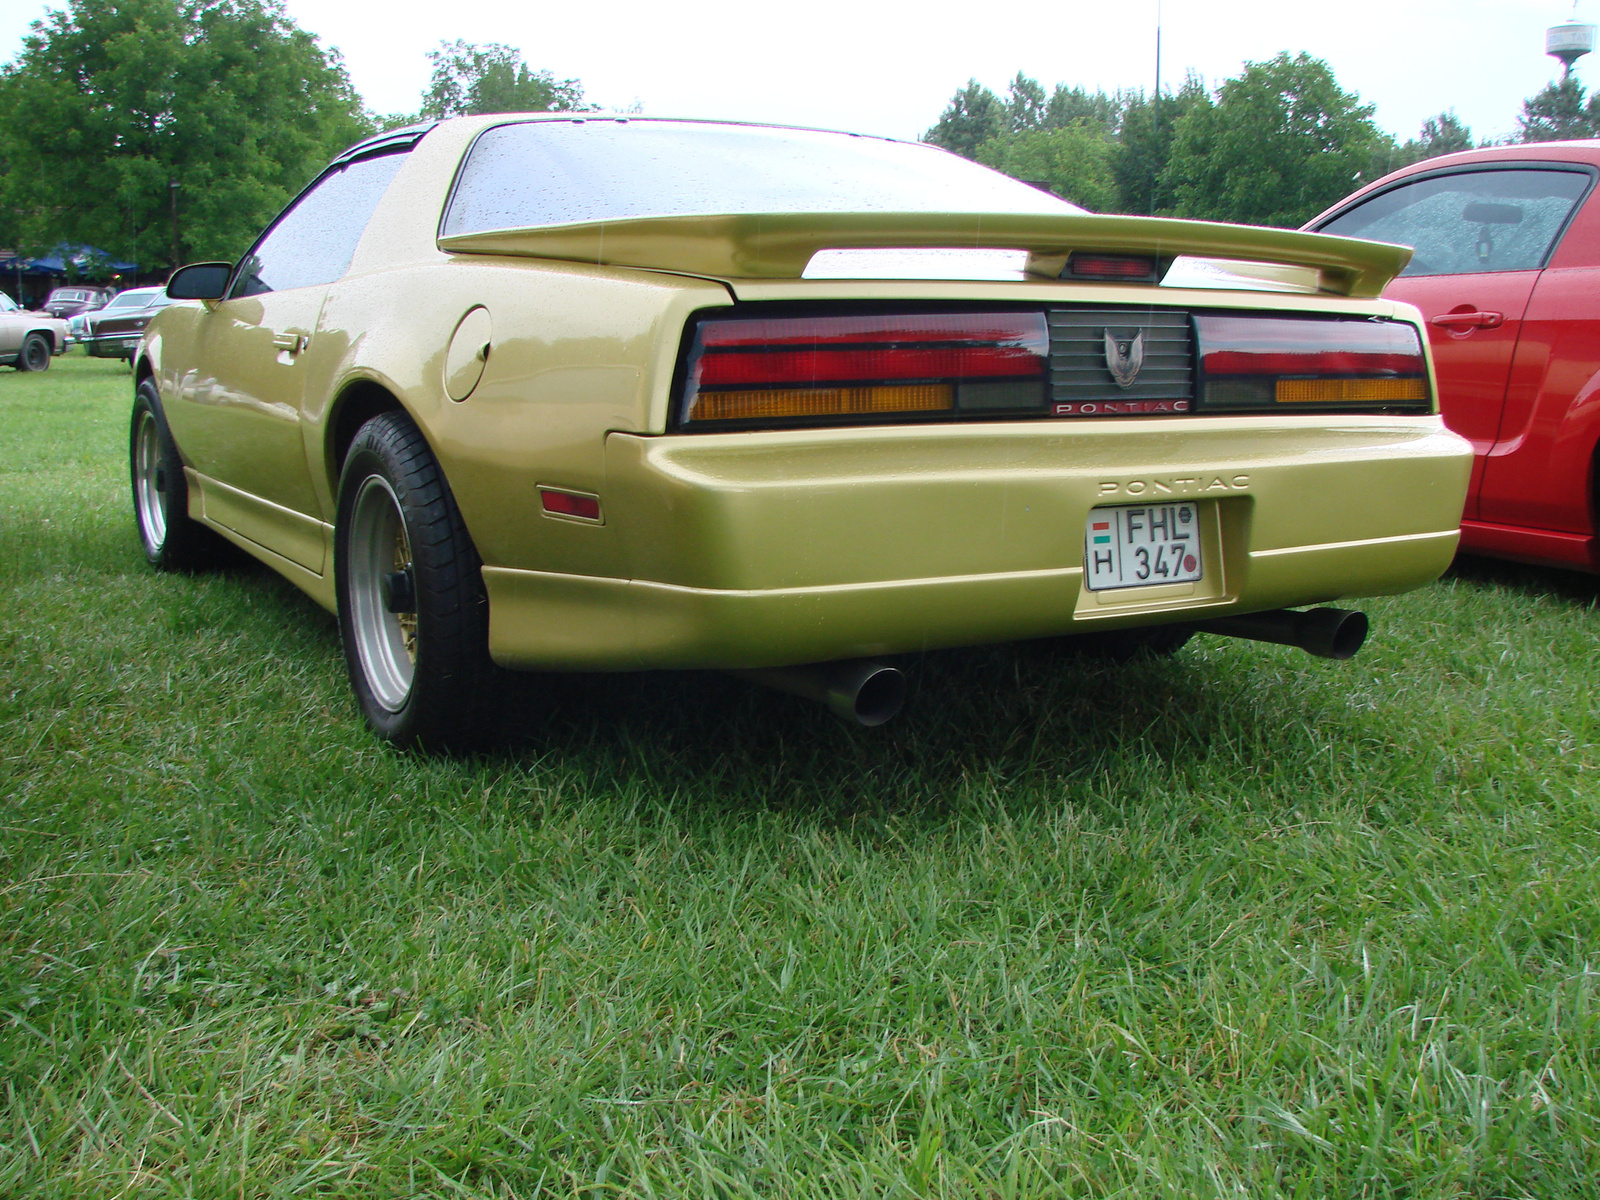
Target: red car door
(1537, 475)
(1481, 236)
(1473, 324)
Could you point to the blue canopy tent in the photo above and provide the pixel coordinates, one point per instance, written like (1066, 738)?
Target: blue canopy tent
(63, 262)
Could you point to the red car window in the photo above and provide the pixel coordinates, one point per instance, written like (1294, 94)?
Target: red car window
(1470, 222)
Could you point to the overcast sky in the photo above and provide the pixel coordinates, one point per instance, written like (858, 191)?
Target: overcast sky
(890, 68)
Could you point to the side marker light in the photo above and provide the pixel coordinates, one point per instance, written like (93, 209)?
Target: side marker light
(570, 504)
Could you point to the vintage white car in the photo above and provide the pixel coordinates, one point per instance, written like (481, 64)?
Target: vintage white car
(583, 393)
(29, 339)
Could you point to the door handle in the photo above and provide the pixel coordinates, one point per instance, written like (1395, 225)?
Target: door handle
(1469, 320)
(291, 343)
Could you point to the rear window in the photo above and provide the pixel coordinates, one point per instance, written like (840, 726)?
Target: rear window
(557, 172)
(1470, 222)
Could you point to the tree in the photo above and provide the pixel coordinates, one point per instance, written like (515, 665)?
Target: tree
(1276, 146)
(1064, 140)
(1025, 104)
(112, 102)
(973, 116)
(1144, 147)
(470, 79)
(1442, 134)
(1559, 113)
(1068, 105)
(1075, 162)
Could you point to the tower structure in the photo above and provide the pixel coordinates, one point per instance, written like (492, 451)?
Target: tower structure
(1569, 43)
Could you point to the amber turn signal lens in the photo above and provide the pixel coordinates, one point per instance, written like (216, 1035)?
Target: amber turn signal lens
(820, 402)
(1351, 391)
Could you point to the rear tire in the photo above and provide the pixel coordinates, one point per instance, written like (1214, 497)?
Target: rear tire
(172, 540)
(34, 354)
(413, 612)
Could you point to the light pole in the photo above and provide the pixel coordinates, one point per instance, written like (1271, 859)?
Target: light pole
(1157, 92)
(1155, 108)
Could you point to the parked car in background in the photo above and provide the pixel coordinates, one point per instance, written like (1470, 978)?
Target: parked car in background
(68, 302)
(589, 393)
(113, 331)
(1506, 271)
(29, 339)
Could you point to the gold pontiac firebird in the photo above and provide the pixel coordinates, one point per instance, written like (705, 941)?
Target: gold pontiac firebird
(612, 393)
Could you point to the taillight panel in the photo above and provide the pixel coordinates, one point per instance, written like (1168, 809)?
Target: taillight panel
(1253, 362)
(874, 366)
(765, 366)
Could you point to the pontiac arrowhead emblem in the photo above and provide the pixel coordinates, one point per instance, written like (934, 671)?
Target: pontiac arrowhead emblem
(1124, 355)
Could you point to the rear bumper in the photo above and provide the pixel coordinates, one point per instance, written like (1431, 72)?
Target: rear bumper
(767, 549)
(112, 345)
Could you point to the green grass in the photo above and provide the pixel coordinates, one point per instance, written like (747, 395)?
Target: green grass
(1243, 923)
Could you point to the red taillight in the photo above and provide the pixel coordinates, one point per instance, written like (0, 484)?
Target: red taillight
(1261, 362)
(800, 367)
(1291, 346)
(751, 369)
(925, 327)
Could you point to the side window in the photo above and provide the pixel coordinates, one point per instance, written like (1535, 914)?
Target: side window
(1470, 222)
(313, 242)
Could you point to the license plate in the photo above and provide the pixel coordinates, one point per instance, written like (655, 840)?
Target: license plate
(1142, 545)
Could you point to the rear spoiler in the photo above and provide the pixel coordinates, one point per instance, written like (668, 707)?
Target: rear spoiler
(779, 245)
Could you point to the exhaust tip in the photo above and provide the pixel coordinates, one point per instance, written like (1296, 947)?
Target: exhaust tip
(870, 695)
(855, 690)
(1335, 633)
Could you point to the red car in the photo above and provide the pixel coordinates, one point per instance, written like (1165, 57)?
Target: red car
(1506, 271)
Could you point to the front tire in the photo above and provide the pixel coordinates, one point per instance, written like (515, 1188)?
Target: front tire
(172, 540)
(413, 613)
(34, 354)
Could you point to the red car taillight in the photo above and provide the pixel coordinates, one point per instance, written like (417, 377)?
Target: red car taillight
(1250, 362)
(776, 368)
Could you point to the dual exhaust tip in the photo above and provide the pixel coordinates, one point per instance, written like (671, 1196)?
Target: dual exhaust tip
(869, 693)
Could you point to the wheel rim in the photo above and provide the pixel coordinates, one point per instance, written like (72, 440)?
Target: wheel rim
(385, 642)
(148, 496)
(37, 354)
